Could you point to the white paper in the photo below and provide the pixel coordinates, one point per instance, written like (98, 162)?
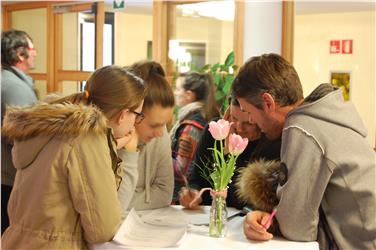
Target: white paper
(152, 230)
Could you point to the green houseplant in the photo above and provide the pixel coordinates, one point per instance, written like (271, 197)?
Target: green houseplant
(223, 75)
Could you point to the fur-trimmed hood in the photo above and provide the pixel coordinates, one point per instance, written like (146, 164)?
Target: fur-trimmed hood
(32, 127)
(257, 183)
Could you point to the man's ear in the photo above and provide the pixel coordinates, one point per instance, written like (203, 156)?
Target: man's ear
(269, 104)
(20, 58)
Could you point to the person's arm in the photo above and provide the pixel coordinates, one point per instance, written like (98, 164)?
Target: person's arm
(92, 186)
(203, 159)
(130, 178)
(182, 157)
(161, 180)
(301, 195)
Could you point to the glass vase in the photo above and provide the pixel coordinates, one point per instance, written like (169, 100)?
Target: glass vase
(218, 217)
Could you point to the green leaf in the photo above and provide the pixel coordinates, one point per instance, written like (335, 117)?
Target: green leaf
(205, 68)
(214, 69)
(217, 80)
(230, 59)
(219, 95)
(228, 82)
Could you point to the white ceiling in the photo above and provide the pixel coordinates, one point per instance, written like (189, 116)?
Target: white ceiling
(313, 7)
(301, 6)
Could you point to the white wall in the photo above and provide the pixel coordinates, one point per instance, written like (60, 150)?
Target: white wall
(132, 31)
(218, 35)
(314, 63)
(131, 39)
(262, 28)
(37, 29)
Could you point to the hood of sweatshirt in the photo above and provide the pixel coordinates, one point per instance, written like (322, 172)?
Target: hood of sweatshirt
(326, 103)
(31, 128)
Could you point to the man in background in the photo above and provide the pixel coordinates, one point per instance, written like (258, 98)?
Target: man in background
(17, 89)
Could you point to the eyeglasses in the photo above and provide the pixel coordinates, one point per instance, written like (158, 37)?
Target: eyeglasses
(139, 116)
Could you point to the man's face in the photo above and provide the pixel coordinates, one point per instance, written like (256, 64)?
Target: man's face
(242, 125)
(154, 123)
(30, 61)
(264, 120)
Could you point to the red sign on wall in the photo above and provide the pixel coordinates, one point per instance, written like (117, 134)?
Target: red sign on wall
(347, 46)
(341, 46)
(335, 46)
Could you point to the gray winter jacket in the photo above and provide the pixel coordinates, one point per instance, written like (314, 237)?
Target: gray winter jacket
(330, 192)
(16, 90)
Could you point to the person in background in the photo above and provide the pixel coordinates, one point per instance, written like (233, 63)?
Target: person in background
(65, 190)
(194, 95)
(330, 192)
(17, 88)
(258, 147)
(150, 182)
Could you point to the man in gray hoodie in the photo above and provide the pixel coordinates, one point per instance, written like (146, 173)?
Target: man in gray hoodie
(329, 195)
(17, 89)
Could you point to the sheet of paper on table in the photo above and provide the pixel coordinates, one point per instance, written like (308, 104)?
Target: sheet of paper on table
(155, 228)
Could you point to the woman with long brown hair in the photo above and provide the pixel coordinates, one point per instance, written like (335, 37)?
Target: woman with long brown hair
(65, 191)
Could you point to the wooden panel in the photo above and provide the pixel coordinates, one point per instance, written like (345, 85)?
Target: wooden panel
(239, 33)
(80, 7)
(288, 15)
(51, 85)
(99, 26)
(58, 50)
(38, 76)
(160, 39)
(7, 19)
(71, 75)
(24, 5)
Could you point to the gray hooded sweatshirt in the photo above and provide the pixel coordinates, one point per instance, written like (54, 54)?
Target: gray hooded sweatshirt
(329, 195)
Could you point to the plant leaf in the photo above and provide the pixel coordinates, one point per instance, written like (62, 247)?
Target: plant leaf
(230, 59)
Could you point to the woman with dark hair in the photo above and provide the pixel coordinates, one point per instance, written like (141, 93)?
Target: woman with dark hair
(194, 95)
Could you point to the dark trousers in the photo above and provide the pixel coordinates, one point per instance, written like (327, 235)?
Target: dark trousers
(5, 194)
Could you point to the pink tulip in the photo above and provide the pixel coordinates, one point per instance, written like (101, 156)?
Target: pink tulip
(237, 144)
(220, 129)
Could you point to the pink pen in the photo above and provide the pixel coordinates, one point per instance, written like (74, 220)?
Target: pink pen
(270, 219)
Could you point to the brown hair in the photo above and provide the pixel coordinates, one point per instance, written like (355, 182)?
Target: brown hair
(158, 90)
(268, 73)
(201, 84)
(111, 89)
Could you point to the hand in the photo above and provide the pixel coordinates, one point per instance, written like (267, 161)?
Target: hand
(186, 196)
(253, 226)
(129, 141)
(185, 148)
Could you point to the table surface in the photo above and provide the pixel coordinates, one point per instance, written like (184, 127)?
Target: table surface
(197, 237)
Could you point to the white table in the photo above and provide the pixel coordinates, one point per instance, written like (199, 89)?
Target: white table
(197, 237)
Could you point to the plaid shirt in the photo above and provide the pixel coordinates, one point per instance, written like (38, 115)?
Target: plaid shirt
(184, 147)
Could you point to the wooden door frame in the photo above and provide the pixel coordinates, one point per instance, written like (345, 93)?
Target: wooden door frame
(164, 29)
(55, 73)
(288, 19)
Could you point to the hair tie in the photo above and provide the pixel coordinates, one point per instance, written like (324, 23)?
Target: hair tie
(86, 94)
